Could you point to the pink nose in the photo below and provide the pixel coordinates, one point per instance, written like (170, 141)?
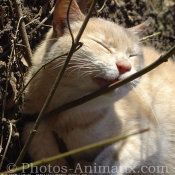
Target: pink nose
(123, 66)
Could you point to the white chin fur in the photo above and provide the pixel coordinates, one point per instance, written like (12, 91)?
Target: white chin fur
(116, 94)
(107, 99)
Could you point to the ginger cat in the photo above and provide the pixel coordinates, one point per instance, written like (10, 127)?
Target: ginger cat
(109, 53)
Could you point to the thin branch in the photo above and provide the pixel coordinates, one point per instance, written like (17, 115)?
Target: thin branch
(2, 134)
(23, 32)
(32, 22)
(152, 6)
(85, 22)
(42, 22)
(37, 27)
(68, 23)
(102, 6)
(72, 152)
(9, 68)
(57, 80)
(7, 145)
(150, 36)
(105, 90)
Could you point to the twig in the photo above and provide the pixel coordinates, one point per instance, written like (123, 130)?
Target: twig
(102, 6)
(32, 21)
(42, 22)
(57, 80)
(23, 32)
(7, 145)
(152, 6)
(1, 139)
(68, 23)
(75, 151)
(118, 3)
(105, 90)
(37, 27)
(9, 69)
(150, 36)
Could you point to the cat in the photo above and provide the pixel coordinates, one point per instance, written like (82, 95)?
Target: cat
(109, 53)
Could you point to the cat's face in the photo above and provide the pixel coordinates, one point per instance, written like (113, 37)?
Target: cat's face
(109, 53)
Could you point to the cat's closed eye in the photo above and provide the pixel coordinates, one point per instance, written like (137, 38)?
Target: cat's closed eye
(132, 55)
(103, 45)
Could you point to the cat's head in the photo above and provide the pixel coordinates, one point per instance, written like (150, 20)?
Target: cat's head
(109, 53)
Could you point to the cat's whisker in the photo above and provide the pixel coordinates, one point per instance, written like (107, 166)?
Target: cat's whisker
(59, 65)
(97, 75)
(84, 54)
(71, 72)
(75, 68)
(87, 70)
(87, 73)
(82, 66)
(79, 58)
(84, 74)
(62, 62)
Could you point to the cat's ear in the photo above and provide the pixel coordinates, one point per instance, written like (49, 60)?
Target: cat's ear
(140, 29)
(60, 15)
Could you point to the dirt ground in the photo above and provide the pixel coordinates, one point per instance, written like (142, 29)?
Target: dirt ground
(38, 18)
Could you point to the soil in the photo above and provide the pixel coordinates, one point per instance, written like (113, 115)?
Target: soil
(38, 19)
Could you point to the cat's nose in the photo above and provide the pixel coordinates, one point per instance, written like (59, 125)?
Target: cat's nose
(123, 66)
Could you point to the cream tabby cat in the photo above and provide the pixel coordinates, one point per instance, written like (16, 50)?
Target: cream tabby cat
(109, 53)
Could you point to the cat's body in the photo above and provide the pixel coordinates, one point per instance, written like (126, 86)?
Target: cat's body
(109, 53)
